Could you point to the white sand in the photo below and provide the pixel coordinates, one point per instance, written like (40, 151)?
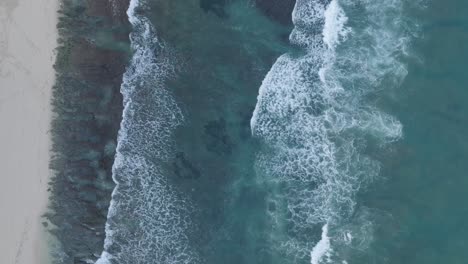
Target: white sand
(28, 37)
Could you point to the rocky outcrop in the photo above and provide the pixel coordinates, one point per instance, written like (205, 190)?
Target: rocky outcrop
(91, 58)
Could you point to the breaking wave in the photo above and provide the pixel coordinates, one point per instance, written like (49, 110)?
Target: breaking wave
(315, 115)
(148, 219)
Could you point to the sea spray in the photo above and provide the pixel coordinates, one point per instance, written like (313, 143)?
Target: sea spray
(148, 219)
(315, 120)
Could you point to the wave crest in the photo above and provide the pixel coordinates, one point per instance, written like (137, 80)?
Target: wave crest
(315, 117)
(149, 219)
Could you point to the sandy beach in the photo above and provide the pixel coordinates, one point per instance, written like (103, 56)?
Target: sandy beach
(28, 38)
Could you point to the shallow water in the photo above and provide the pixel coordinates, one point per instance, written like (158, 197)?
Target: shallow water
(184, 166)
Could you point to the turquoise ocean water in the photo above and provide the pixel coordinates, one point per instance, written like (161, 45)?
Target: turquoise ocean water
(336, 139)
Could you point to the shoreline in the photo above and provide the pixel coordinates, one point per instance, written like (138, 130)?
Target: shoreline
(27, 43)
(87, 106)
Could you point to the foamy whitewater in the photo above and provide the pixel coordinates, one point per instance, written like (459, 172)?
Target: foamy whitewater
(317, 116)
(315, 120)
(148, 219)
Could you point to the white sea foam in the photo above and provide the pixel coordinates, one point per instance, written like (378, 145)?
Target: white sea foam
(322, 250)
(314, 118)
(148, 219)
(334, 28)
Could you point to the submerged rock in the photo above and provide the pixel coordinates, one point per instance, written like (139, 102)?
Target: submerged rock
(215, 6)
(279, 10)
(216, 137)
(184, 169)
